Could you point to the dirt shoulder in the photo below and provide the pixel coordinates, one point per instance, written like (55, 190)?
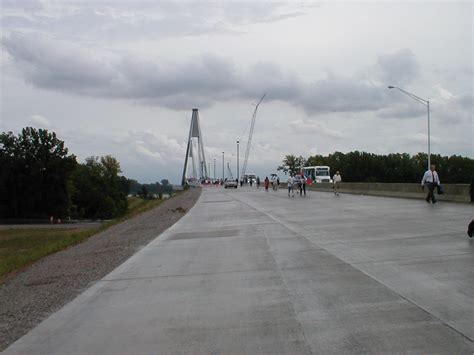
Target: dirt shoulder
(30, 296)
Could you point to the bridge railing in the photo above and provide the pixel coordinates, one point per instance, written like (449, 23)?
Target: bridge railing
(453, 192)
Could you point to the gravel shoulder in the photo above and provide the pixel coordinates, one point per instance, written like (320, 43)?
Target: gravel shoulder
(30, 296)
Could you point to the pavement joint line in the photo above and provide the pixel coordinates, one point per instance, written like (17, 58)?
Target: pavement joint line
(223, 272)
(420, 259)
(387, 239)
(362, 271)
(287, 288)
(186, 275)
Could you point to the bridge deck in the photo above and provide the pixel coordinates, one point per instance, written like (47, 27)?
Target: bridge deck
(247, 271)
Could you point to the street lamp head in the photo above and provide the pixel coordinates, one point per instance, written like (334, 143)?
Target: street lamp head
(391, 87)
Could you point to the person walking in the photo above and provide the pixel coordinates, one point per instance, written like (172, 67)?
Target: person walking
(266, 183)
(290, 183)
(303, 185)
(258, 182)
(431, 179)
(277, 184)
(336, 180)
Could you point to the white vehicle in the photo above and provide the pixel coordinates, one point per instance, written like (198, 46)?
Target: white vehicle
(230, 183)
(318, 173)
(249, 177)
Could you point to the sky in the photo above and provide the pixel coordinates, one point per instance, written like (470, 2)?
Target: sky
(122, 77)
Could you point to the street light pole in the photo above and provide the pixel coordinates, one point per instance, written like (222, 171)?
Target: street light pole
(214, 168)
(427, 104)
(222, 166)
(429, 135)
(238, 177)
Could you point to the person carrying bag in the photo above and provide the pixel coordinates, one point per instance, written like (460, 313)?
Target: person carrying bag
(431, 179)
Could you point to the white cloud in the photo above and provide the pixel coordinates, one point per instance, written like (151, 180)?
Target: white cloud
(155, 146)
(39, 120)
(313, 127)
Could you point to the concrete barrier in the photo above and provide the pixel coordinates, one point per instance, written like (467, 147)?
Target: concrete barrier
(453, 192)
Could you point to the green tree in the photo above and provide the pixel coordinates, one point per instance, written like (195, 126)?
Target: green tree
(398, 167)
(34, 174)
(98, 190)
(166, 187)
(292, 164)
(144, 192)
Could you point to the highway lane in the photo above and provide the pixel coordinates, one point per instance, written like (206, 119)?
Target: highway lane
(249, 271)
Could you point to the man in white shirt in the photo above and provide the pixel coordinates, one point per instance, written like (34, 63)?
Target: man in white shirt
(290, 183)
(336, 180)
(431, 179)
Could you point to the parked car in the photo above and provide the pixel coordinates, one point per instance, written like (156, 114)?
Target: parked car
(230, 183)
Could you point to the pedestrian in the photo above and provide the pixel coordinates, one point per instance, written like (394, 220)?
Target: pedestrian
(303, 185)
(277, 183)
(431, 179)
(241, 182)
(266, 183)
(258, 182)
(297, 183)
(250, 182)
(336, 180)
(290, 183)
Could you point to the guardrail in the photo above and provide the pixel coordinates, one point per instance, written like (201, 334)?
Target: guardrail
(453, 192)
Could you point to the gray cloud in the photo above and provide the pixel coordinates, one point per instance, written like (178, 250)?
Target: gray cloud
(398, 69)
(142, 19)
(27, 5)
(198, 81)
(204, 80)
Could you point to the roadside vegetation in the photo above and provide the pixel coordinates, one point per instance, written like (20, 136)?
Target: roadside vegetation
(391, 168)
(40, 180)
(21, 247)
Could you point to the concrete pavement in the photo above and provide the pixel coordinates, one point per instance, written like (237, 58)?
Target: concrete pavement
(249, 271)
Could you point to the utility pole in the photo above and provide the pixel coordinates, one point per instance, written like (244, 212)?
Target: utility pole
(222, 166)
(238, 176)
(214, 168)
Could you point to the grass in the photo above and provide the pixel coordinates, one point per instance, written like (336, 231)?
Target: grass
(22, 247)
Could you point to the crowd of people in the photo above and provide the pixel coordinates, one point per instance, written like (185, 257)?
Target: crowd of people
(297, 183)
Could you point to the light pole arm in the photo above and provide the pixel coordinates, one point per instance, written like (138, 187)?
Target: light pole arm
(413, 96)
(427, 104)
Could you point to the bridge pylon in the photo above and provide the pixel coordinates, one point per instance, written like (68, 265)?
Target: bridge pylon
(195, 142)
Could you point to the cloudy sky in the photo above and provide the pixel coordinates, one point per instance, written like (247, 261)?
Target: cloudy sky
(121, 77)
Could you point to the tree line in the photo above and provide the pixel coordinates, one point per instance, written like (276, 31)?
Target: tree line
(152, 190)
(395, 168)
(39, 178)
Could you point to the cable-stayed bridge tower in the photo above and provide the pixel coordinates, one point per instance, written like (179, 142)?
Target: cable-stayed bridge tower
(195, 151)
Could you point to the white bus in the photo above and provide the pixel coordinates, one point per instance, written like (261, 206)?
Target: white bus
(317, 173)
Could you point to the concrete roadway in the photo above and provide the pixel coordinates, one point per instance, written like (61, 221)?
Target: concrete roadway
(256, 272)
